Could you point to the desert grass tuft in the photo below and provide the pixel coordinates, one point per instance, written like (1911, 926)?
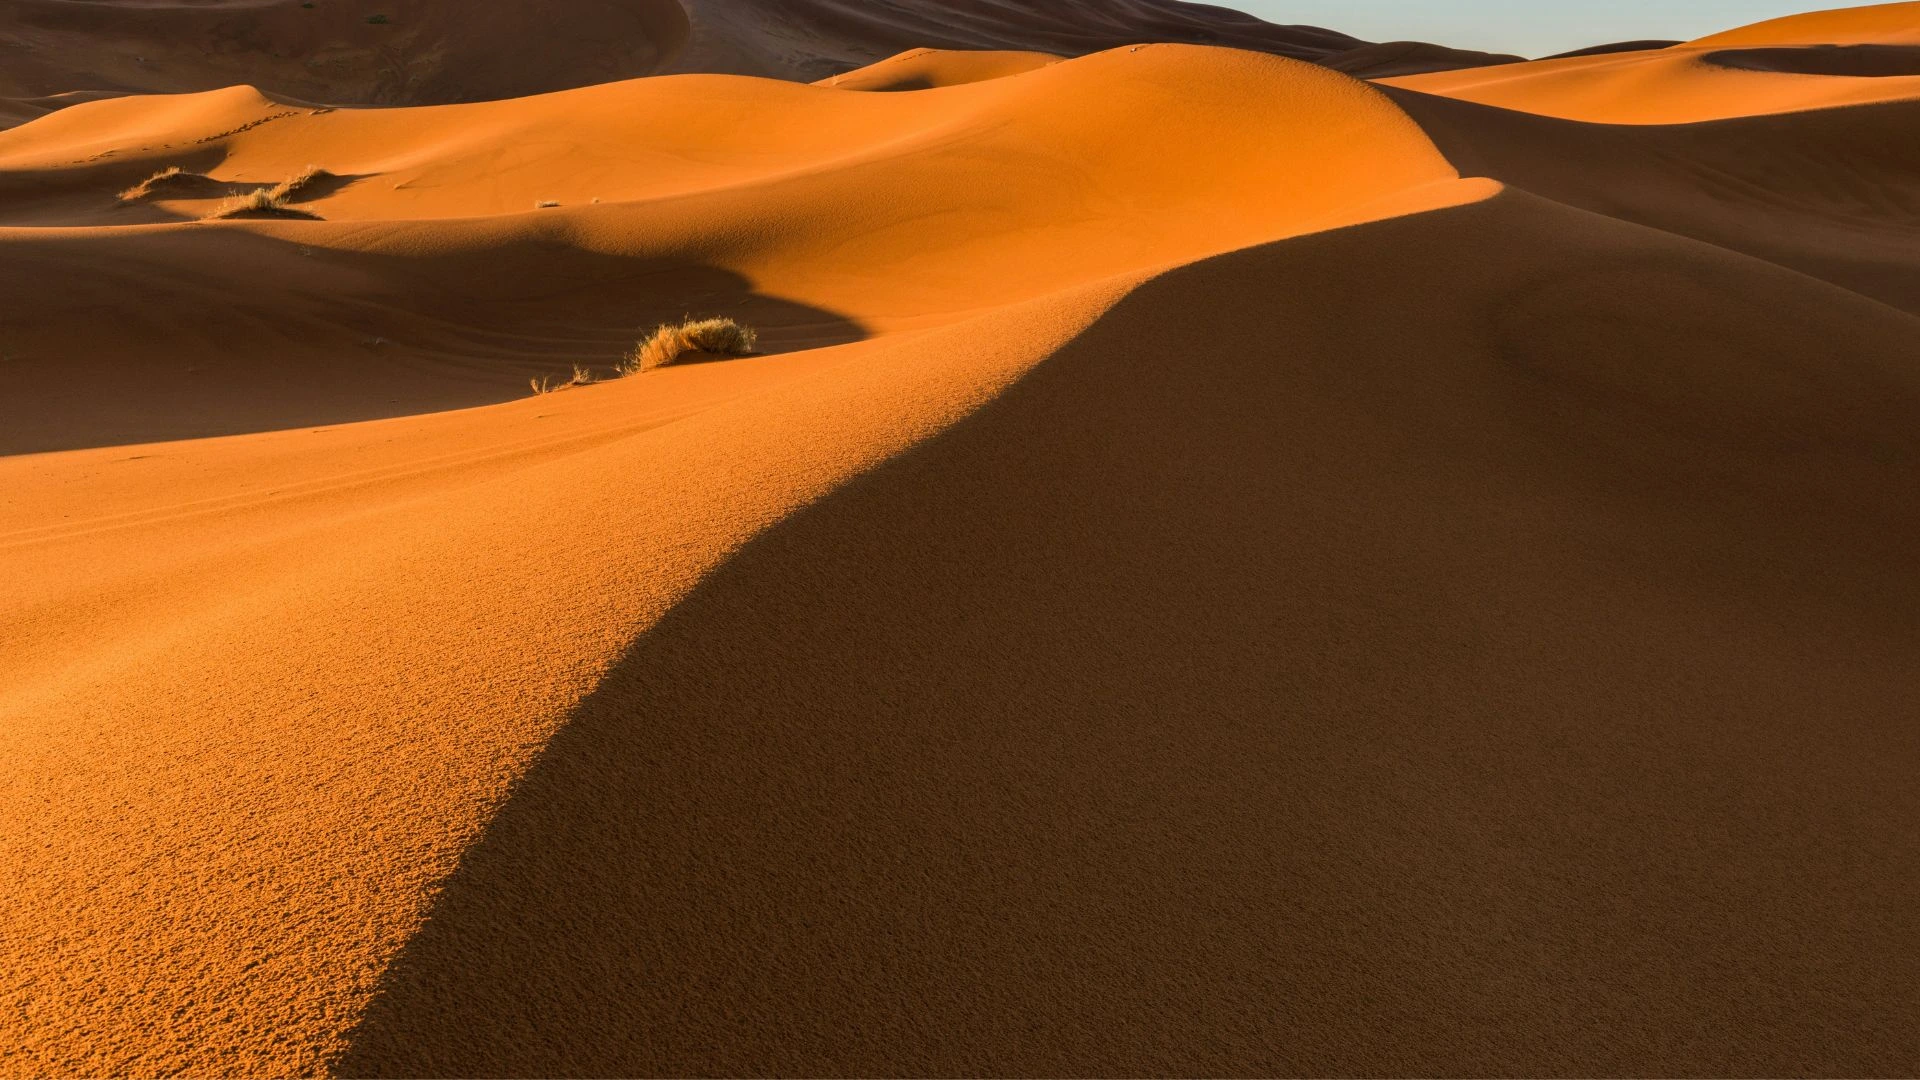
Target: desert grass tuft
(287, 189)
(667, 344)
(157, 181)
(546, 204)
(582, 376)
(273, 201)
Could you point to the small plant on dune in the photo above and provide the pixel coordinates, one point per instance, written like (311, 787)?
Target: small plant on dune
(173, 176)
(260, 201)
(145, 187)
(286, 189)
(546, 204)
(273, 200)
(582, 376)
(667, 344)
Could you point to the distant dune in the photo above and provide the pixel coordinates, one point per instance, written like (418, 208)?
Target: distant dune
(417, 52)
(1708, 79)
(405, 52)
(1212, 566)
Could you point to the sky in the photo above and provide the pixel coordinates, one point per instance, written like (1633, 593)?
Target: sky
(1527, 27)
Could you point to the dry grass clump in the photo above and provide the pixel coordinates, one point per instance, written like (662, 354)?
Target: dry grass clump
(171, 176)
(545, 384)
(286, 189)
(667, 344)
(273, 201)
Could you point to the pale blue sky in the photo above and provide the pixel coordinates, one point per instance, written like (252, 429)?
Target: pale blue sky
(1528, 27)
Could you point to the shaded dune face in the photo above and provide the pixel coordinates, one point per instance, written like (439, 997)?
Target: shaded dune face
(419, 51)
(815, 39)
(931, 69)
(1410, 58)
(1839, 189)
(1268, 698)
(1852, 61)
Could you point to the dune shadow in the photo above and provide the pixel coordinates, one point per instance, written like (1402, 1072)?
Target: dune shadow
(1827, 192)
(1846, 61)
(249, 329)
(1131, 727)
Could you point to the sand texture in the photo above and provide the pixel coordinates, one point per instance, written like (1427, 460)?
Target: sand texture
(1213, 567)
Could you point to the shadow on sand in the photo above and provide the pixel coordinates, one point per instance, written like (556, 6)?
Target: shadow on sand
(1224, 710)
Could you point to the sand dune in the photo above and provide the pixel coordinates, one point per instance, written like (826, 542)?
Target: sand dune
(1838, 189)
(409, 52)
(1370, 709)
(1874, 24)
(1389, 58)
(1708, 80)
(403, 52)
(1219, 568)
(433, 280)
(815, 39)
(930, 69)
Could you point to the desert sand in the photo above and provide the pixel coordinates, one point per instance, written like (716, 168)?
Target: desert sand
(1216, 566)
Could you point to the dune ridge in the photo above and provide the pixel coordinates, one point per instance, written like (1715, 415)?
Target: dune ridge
(423, 52)
(1705, 79)
(1218, 567)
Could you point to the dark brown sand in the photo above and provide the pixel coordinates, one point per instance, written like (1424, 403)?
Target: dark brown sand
(1434, 675)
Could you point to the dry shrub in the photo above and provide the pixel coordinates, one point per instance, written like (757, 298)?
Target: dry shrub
(667, 344)
(273, 201)
(166, 177)
(545, 385)
(285, 191)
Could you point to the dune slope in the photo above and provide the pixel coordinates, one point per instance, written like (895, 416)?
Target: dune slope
(1833, 193)
(433, 280)
(407, 52)
(1270, 698)
(1713, 78)
(1218, 568)
(262, 691)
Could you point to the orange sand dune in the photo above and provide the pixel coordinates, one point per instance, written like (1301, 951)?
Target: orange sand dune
(810, 40)
(1494, 661)
(435, 281)
(1391, 58)
(1834, 193)
(1193, 585)
(930, 69)
(403, 52)
(400, 52)
(1883, 24)
(356, 766)
(1705, 79)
